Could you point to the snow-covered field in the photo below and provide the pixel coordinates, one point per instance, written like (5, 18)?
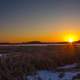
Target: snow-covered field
(55, 75)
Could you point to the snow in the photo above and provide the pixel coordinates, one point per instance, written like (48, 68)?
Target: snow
(68, 66)
(0, 55)
(47, 75)
(69, 75)
(44, 75)
(52, 75)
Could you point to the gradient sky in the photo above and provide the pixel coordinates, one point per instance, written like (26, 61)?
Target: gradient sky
(42, 20)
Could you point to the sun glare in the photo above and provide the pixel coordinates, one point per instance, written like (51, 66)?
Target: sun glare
(71, 38)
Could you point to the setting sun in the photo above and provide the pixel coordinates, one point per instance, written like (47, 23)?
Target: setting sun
(71, 38)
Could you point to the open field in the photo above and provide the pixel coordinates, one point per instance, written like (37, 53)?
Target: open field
(16, 61)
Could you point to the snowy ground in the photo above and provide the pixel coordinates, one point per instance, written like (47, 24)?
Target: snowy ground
(52, 75)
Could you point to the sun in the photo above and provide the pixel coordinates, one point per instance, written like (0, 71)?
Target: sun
(71, 38)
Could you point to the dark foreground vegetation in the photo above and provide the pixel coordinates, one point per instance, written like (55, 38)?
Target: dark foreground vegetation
(18, 61)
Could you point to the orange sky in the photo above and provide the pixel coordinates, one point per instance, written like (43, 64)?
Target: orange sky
(49, 38)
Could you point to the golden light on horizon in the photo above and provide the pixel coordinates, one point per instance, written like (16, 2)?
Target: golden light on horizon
(71, 38)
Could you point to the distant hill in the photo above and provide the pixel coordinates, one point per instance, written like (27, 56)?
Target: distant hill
(4, 43)
(77, 41)
(32, 42)
(38, 42)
